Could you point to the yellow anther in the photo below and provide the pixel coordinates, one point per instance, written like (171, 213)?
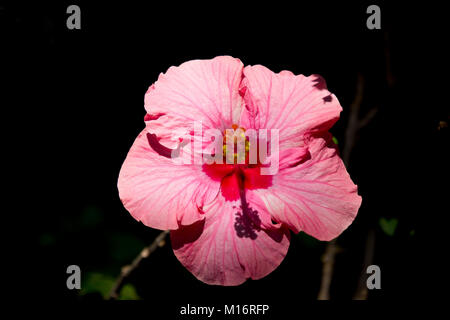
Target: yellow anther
(236, 138)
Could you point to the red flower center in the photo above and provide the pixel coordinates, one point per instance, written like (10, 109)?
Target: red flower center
(237, 174)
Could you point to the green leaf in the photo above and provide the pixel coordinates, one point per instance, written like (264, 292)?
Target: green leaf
(388, 225)
(128, 292)
(335, 140)
(97, 282)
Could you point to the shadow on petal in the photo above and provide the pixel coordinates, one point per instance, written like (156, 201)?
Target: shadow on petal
(319, 82)
(186, 234)
(162, 150)
(247, 223)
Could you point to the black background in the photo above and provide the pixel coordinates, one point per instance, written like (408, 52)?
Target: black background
(79, 100)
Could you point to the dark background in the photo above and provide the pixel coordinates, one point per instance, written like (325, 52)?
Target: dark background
(79, 98)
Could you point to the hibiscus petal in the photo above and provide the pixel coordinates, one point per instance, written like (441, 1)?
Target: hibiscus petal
(160, 193)
(292, 104)
(230, 246)
(197, 90)
(316, 196)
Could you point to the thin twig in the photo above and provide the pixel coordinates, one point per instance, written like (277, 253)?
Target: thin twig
(350, 137)
(361, 290)
(128, 269)
(368, 117)
(327, 270)
(353, 124)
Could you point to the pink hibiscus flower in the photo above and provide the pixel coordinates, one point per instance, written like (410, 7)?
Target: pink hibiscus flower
(229, 222)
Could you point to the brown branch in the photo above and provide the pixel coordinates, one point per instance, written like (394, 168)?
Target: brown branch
(327, 270)
(350, 137)
(368, 117)
(128, 269)
(353, 124)
(361, 290)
